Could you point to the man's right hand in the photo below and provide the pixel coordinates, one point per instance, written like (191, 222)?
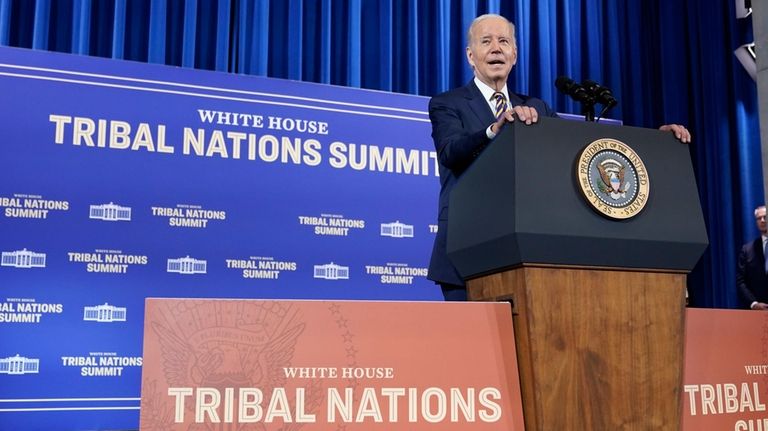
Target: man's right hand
(760, 306)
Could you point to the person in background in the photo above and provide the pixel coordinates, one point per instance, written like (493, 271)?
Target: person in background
(752, 268)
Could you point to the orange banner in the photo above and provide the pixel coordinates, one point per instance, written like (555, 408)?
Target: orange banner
(329, 365)
(726, 371)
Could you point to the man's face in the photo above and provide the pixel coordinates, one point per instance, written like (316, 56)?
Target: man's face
(492, 52)
(760, 220)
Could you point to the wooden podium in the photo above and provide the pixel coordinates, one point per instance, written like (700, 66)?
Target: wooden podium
(598, 303)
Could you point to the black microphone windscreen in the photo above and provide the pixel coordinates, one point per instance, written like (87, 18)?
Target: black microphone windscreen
(564, 84)
(602, 94)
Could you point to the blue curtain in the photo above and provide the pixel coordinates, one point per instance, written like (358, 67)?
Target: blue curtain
(667, 62)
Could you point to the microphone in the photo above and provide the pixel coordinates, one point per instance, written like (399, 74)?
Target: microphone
(578, 93)
(602, 94)
(588, 93)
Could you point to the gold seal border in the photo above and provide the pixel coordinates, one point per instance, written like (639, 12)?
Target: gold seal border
(643, 181)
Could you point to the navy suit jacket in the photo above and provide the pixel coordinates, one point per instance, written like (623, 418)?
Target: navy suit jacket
(459, 119)
(751, 279)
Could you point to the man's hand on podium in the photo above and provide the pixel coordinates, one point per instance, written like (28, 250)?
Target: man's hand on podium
(760, 306)
(526, 114)
(680, 132)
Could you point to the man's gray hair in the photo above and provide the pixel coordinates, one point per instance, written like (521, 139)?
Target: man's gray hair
(483, 18)
(758, 209)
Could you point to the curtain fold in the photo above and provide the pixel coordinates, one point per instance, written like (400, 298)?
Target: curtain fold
(157, 28)
(118, 30)
(41, 24)
(5, 21)
(81, 27)
(667, 62)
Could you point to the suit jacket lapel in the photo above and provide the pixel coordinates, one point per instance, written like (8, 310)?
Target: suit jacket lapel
(478, 104)
(759, 255)
(514, 99)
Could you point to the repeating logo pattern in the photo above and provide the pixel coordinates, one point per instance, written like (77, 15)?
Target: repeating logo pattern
(110, 212)
(104, 313)
(187, 265)
(331, 271)
(397, 230)
(17, 365)
(23, 259)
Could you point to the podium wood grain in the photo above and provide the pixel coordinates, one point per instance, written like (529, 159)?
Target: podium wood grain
(597, 349)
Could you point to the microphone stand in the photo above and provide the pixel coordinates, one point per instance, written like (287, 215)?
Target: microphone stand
(588, 110)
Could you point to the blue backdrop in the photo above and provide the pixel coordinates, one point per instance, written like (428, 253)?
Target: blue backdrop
(124, 181)
(666, 61)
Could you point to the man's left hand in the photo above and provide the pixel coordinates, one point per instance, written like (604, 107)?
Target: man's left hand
(526, 114)
(680, 132)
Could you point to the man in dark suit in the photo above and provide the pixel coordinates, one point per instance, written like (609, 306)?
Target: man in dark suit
(466, 119)
(751, 278)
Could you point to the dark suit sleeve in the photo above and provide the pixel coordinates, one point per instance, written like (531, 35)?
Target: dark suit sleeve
(456, 145)
(741, 277)
(541, 107)
(549, 112)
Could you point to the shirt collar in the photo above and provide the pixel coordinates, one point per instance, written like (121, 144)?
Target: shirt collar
(488, 91)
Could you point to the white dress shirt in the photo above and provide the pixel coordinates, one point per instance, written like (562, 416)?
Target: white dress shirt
(488, 93)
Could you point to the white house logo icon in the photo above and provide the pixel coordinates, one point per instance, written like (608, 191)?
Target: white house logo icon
(18, 365)
(187, 265)
(104, 313)
(23, 259)
(331, 271)
(397, 230)
(110, 212)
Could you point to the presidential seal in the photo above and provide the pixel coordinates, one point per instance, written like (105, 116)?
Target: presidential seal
(613, 179)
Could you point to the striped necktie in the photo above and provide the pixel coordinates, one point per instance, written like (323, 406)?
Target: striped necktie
(501, 104)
